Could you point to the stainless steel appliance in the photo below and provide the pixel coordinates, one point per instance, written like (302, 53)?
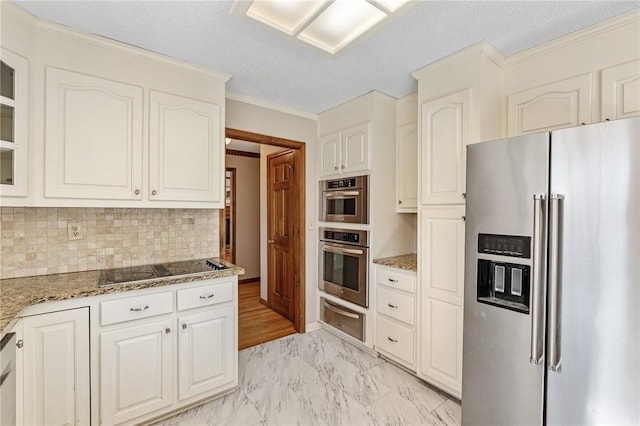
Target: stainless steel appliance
(8, 379)
(128, 274)
(342, 318)
(344, 258)
(345, 200)
(552, 278)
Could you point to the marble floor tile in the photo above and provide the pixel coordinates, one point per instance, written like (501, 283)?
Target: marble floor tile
(319, 379)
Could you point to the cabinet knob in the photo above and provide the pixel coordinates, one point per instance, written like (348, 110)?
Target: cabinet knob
(464, 195)
(154, 192)
(20, 344)
(342, 166)
(137, 192)
(184, 326)
(399, 201)
(167, 330)
(335, 168)
(583, 124)
(607, 119)
(464, 218)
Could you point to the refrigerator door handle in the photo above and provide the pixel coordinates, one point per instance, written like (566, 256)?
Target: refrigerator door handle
(555, 216)
(537, 296)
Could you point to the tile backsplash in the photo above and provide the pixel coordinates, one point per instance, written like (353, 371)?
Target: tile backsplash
(35, 240)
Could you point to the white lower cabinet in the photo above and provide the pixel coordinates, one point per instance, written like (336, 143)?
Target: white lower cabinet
(395, 315)
(164, 349)
(56, 368)
(205, 352)
(136, 371)
(441, 293)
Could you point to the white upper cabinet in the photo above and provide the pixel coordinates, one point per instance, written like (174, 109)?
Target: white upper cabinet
(14, 124)
(407, 154)
(93, 137)
(354, 150)
(344, 151)
(186, 157)
(446, 127)
(564, 103)
(621, 91)
(329, 154)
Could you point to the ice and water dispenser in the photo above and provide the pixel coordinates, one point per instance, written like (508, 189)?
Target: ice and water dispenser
(504, 284)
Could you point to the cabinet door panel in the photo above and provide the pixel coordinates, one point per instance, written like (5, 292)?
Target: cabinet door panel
(446, 126)
(14, 125)
(93, 137)
(355, 144)
(329, 154)
(56, 368)
(407, 168)
(443, 248)
(186, 152)
(565, 103)
(621, 91)
(442, 348)
(206, 352)
(136, 373)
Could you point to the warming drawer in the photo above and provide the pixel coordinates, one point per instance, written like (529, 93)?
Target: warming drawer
(344, 319)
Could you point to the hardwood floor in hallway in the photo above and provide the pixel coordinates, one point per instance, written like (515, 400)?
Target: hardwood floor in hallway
(257, 323)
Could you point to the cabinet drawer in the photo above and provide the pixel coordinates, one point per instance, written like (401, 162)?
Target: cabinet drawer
(395, 305)
(399, 280)
(395, 339)
(133, 308)
(205, 295)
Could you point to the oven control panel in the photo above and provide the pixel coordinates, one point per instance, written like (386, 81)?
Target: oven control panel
(347, 236)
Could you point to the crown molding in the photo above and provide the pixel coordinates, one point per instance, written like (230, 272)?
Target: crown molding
(480, 48)
(107, 43)
(629, 18)
(270, 105)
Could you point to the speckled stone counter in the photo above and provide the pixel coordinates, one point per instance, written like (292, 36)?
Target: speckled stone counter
(408, 262)
(16, 294)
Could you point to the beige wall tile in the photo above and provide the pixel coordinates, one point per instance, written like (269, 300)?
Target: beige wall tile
(35, 240)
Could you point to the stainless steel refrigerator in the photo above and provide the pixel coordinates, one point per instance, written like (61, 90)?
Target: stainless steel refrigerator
(552, 278)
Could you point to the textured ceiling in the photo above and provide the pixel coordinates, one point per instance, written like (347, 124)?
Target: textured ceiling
(267, 65)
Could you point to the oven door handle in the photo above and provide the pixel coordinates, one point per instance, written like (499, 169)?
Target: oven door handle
(340, 311)
(341, 195)
(340, 250)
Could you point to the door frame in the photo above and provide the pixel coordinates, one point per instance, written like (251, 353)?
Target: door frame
(299, 256)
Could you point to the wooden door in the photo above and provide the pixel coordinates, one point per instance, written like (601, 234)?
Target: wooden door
(280, 229)
(56, 368)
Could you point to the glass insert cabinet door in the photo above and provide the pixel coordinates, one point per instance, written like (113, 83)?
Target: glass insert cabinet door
(13, 124)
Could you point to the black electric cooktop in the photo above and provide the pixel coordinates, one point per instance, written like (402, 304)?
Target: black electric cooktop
(148, 272)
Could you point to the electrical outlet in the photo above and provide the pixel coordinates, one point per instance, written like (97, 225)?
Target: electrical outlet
(75, 231)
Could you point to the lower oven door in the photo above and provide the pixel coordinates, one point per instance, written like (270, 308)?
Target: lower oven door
(344, 319)
(344, 272)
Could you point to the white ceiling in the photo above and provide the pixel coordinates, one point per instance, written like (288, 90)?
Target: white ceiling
(269, 66)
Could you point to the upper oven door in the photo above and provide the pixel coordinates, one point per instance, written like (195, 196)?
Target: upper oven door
(345, 206)
(344, 272)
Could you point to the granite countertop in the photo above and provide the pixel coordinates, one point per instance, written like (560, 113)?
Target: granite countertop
(408, 262)
(16, 294)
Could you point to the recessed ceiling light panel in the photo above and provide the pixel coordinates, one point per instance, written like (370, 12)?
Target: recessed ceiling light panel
(391, 5)
(285, 15)
(341, 23)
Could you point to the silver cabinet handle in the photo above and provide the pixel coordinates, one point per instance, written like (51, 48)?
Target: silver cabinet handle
(392, 280)
(137, 192)
(139, 308)
(555, 227)
(207, 296)
(341, 312)
(154, 192)
(392, 306)
(392, 340)
(537, 290)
